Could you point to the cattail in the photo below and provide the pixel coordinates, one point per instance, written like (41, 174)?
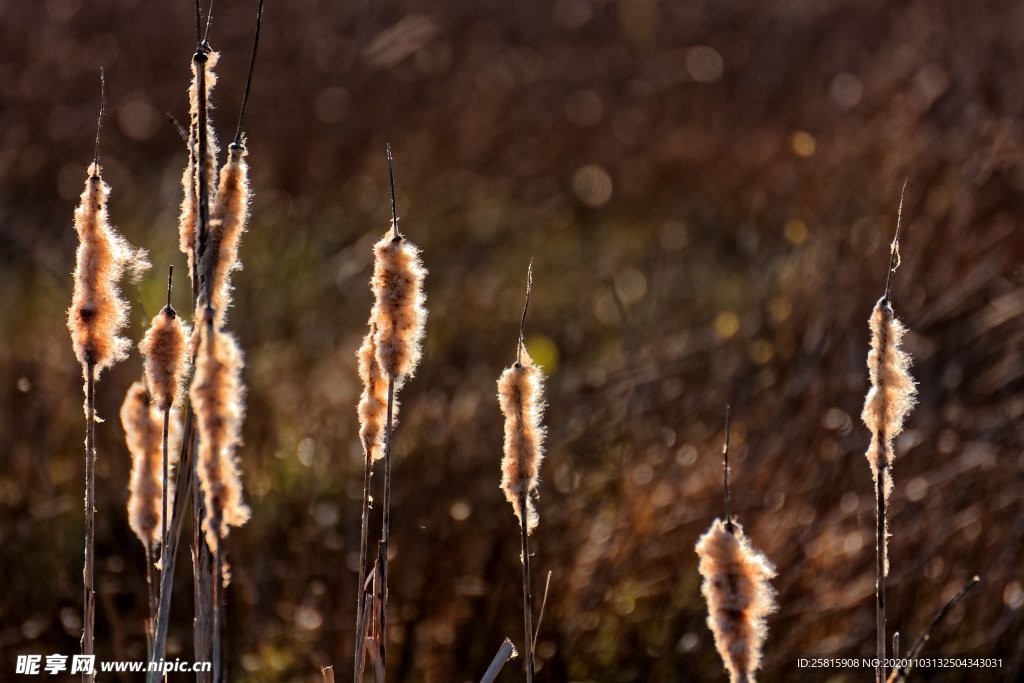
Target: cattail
(143, 420)
(521, 398)
(98, 313)
(164, 350)
(890, 398)
(892, 394)
(218, 399)
(520, 395)
(188, 218)
(738, 596)
(372, 409)
(399, 313)
(227, 223)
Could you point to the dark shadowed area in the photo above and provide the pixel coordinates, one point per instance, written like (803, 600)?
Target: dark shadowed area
(707, 189)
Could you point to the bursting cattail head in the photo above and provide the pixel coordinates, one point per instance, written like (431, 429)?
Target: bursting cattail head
(399, 310)
(188, 218)
(218, 400)
(373, 402)
(98, 313)
(164, 350)
(738, 597)
(893, 393)
(521, 397)
(227, 223)
(143, 431)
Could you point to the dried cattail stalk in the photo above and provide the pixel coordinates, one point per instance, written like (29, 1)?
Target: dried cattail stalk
(98, 313)
(888, 401)
(738, 596)
(520, 394)
(143, 421)
(892, 394)
(227, 223)
(163, 348)
(188, 218)
(218, 399)
(399, 313)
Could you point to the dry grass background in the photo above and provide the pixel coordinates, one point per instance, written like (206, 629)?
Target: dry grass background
(707, 188)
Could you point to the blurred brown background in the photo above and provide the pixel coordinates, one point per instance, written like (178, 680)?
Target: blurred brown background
(707, 189)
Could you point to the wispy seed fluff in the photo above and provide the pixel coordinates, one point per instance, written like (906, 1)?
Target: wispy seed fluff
(521, 397)
(188, 218)
(163, 348)
(399, 311)
(738, 596)
(143, 430)
(892, 394)
(217, 397)
(98, 313)
(227, 223)
(373, 403)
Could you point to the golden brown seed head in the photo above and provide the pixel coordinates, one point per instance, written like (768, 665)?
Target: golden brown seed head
(143, 430)
(217, 397)
(188, 218)
(98, 313)
(521, 397)
(373, 402)
(227, 223)
(738, 597)
(164, 350)
(893, 393)
(399, 311)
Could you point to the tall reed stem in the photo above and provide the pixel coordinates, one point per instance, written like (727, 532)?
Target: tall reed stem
(388, 433)
(88, 572)
(880, 569)
(361, 578)
(527, 594)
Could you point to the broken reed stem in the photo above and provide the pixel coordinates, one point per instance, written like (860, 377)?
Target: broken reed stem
(506, 652)
(900, 674)
(385, 528)
(88, 572)
(527, 595)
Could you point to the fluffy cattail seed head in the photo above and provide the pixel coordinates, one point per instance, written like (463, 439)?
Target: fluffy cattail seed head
(893, 393)
(521, 397)
(98, 313)
(227, 223)
(738, 597)
(373, 402)
(164, 350)
(217, 397)
(188, 218)
(399, 311)
(143, 430)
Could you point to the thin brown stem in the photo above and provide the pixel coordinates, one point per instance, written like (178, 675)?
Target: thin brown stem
(385, 527)
(527, 595)
(248, 78)
(526, 307)
(880, 572)
(218, 624)
(540, 615)
(894, 248)
(360, 581)
(394, 205)
(88, 572)
(99, 119)
(901, 673)
(725, 474)
(183, 496)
